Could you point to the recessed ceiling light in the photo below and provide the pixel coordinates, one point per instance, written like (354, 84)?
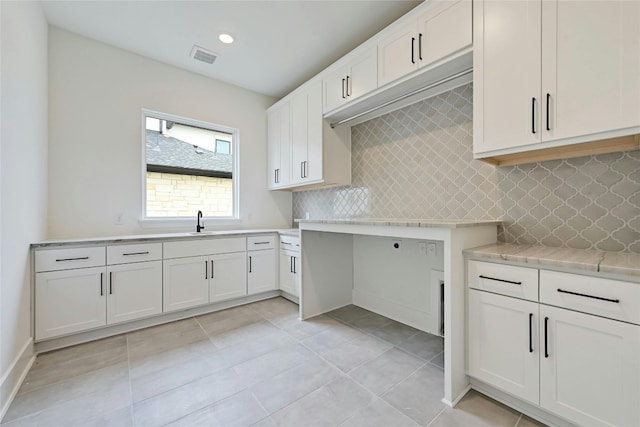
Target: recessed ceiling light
(225, 38)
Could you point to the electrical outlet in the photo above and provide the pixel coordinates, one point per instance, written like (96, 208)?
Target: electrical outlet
(422, 248)
(431, 249)
(396, 245)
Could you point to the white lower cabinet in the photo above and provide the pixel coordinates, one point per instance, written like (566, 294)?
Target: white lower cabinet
(578, 366)
(69, 301)
(228, 277)
(290, 272)
(503, 343)
(134, 291)
(185, 283)
(589, 368)
(262, 271)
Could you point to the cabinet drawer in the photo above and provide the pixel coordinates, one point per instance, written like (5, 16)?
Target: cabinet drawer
(122, 254)
(66, 259)
(594, 295)
(187, 248)
(258, 243)
(518, 282)
(290, 243)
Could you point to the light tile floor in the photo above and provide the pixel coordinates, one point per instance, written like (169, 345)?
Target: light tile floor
(253, 365)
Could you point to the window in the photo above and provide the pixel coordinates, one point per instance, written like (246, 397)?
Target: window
(189, 166)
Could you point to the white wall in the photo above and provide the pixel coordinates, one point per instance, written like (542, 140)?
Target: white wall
(95, 100)
(23, 175)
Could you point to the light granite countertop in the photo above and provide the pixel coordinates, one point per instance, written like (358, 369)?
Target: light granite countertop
(158, 237)
(394, 222)
(615, 263)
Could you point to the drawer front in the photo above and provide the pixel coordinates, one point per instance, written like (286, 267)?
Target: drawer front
(603, 297)
(258, 243)
(204, 246)
(518, 282)
(122, 254)
(66, 259)
(290, 243)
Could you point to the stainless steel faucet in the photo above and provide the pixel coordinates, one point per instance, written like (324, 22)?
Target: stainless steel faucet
(198, 226)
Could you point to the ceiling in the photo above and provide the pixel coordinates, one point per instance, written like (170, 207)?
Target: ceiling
(278, 44)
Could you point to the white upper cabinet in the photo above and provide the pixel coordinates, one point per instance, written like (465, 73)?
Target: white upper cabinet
(306, 135)
(440, 31)
(351, 81)
(317, 155)
(279, 146)
(559, 72)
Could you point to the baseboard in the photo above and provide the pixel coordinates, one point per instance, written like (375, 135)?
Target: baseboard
(526, 408)
(12, 380)
(457, 400)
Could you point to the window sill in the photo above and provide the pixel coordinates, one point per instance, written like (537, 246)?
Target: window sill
(186, 223)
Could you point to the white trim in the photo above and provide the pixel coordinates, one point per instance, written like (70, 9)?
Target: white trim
(235, 170)
(186, 223)
(457, 400)
(14, 391)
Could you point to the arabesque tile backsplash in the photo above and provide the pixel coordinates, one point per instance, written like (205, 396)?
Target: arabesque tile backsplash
(417, 163)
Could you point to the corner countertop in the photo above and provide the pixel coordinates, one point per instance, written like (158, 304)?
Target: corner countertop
(158, 237)
(394, 222)
(614, 263)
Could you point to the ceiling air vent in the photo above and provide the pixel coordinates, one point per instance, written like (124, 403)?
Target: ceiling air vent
(202, 54)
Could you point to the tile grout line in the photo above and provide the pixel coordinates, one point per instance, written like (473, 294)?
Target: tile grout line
(133, 420)
(518, 420)
(436, 417)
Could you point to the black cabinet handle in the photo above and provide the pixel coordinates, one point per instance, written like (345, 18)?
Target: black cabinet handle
(275, 176)
(617, 301)
(301, 169)
(533, 115)
(212, 269)
(530, 332)
(499, 280)
(290, 264)
(206, 270)
(72, 259)
(343, 92)
(111, 283)
(249, 263)
(413, 42)
(101, 282)
(548, 98)
(348, 94)
(294, 264)
(136, 253)
(546, 334)
(261, 243)
(420, 46)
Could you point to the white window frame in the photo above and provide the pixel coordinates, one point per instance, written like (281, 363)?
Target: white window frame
(173, 222)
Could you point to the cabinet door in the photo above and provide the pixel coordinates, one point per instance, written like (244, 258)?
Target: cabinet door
(506, 74)
(262, 271)
(306, 135)
(591, 64)
(335, 89)
(185, 283)
(363, 74)
(398, 54)
(134, 291)
(289, 266)
(503, 343)
(279, 147)
(70, 301)
(228, 276)
(443, 32)
(589, 370)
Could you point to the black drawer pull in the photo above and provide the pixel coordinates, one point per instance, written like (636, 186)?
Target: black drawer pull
(530, 332)
(546, 334)
(136, 253)
(111, 283)
(72, 259)
(101, 281)
(499, 280)
(617, 301)
(533, 115)
(261, 243)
